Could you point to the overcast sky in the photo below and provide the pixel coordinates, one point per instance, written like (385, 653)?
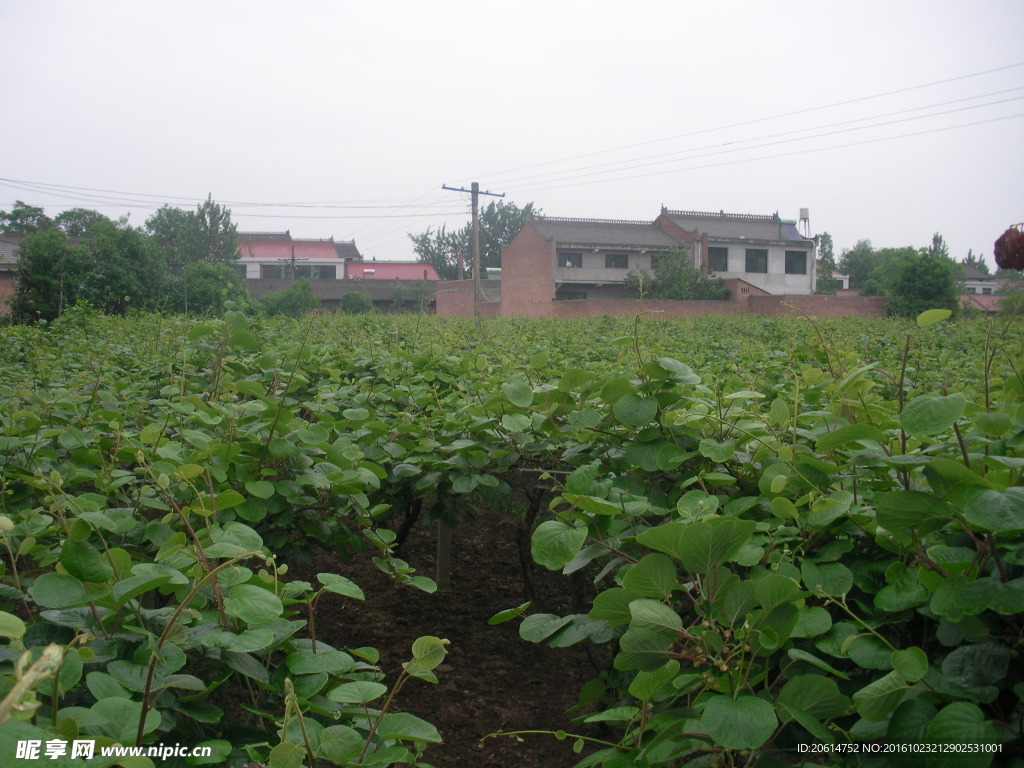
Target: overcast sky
(888, 120)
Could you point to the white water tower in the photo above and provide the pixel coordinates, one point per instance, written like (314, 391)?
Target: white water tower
(804, 225)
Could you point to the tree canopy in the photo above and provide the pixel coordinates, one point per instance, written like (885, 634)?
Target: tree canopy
(499, 223)
(24, 218)
(182, 261)
(825, 283)
(674, 278)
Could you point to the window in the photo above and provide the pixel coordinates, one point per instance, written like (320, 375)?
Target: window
(275, 271)
(570, 296)
(718, 259)
(616, 261)
(570, 260)
(757, 260)
(986, 291)
(796, 262)
(316, 271)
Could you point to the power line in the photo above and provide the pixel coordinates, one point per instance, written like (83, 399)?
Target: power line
(627, 163)
(733, 149)
(761, 119)
(779, 155)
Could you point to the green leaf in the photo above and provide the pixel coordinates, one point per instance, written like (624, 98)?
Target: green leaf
(85, 562)
(518, 391)
(358, 692)
(647, 683)
(911, 662)
(427, 653)
(743, 723)
(700, 546)
(508, 614)
(996, 511)
(309, 663)
(635, 411)
(406, 727)
(11, 626)
(850, 434)
(832, 579)
(931, 316)
(555, 543)
(642, 648)
(253, 604)
(876, 700)
(652, 614)
(900, 512)
(817, 695)
(960, 723)
(932, 414)
(261, 489)
(340, 744)
(340, 585)
(60, 590)
(612, 606)
(541, 626)
(653, 576)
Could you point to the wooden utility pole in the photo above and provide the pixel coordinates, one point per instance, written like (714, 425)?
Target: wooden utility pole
(474, 190)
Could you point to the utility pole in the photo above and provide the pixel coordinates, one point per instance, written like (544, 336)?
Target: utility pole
(474, 190)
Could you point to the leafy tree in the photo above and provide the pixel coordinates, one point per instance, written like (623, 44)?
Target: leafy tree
(924, 281)
(674, 278)
(49, 276)
(209, 286)
(295, 301)
(187, 237)
(827, 256)
(881, 281)
(858, 262)
(398, 294)
(499, 223)
(125, 269)
(76, 222)
(355, 303)
(24, 218)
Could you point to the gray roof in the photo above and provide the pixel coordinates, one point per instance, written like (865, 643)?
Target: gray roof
(734, 226)
(273, 237)
(602, 233)
(971, 272)
(347, 250)
(9, 249)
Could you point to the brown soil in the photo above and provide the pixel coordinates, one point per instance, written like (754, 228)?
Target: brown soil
(491, 678)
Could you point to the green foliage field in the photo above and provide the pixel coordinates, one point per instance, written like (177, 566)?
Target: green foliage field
(800, 532)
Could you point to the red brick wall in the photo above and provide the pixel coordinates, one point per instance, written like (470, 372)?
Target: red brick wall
(819, 306)
(455, 298)
(6, 292)
(527, 275)
(594, 307)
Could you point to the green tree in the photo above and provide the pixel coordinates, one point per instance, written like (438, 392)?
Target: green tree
(499, 223)
(924, 281)
(355, 303)
(210, 284)
(50, 276)
(858, 262)
(825, 283)
(188, 237)
(24, 218)
(398, 295)
(76, 222)
(881, 281)
(674, 278)
(125, 269)
(295, 301)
